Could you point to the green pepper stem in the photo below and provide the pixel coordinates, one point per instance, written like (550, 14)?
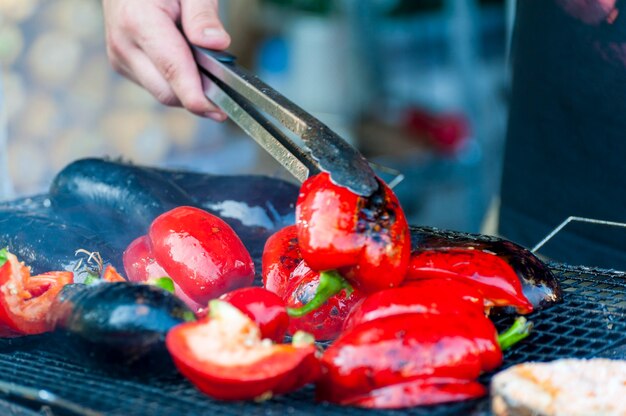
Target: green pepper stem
(518, 331)
(3, 256)
(330, 284)
(165, 283)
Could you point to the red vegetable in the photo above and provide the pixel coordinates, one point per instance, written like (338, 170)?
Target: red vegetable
(366, 239)
(25, 300)
(111, 275)
(197, 250)
(281, 256)
(286, 274)
(432, 296)
(265, 308)
(409, 360)
(225, 357)
(325, 322)
(141, 267)
(488, 273)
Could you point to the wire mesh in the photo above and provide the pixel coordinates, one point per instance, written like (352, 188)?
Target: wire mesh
(589, 322)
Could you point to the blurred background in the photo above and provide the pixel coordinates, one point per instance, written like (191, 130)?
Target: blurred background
(416, 85)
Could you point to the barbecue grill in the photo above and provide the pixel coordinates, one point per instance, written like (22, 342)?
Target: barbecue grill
(588, 323)
(44, 375)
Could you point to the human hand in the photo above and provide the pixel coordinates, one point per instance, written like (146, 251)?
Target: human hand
(145, 45)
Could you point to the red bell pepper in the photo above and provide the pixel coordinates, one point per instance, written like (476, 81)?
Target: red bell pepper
(265, 308)
(141, 267)
(281, 255)
(306, 291)
(225, 357)
(318, 303)
(488, 273)
(366, 239)
(411, 359)
(197, 250)
(25, 300)
(429, 296)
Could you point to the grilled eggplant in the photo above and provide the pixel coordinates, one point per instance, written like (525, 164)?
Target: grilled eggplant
(119, 323)
(539, 284)
(45, 242)
(118, 201)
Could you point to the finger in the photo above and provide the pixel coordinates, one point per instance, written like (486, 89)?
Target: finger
(202, 25)
(148, 76)
(170, 54)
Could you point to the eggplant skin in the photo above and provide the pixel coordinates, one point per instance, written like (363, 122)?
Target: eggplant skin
(120, 323)
(539, 284)
(116, 200)
(46, 243)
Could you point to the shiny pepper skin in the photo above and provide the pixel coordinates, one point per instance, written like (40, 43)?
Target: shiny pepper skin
(494, 278)
(326, 322)
(281, 255)
(409, 360)
(366, 239)
(428, 296)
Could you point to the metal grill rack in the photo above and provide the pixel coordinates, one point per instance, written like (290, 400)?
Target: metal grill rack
(589, 322)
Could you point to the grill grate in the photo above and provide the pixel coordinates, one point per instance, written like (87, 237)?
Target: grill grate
(589, 322)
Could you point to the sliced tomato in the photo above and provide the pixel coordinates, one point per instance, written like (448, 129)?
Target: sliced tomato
(225, 357)
(25, 300)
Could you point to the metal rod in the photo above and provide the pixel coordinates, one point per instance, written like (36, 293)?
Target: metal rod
(45, 397)
(579, 219)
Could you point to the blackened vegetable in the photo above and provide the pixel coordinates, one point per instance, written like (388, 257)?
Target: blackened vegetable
(119, 322)
(116, 200)
(47, 243)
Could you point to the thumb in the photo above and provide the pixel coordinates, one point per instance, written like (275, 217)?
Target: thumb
(202, 25)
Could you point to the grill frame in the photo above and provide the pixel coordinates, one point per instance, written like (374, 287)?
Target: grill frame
(588, 323)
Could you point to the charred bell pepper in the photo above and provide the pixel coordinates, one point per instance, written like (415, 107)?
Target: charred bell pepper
(311, 309)
(539, 285)
(281, 255)
(318, 302)
(197, 250)
(410, 360)
(25, 300)
(428, 296)
(265, 308)
(225, 357)
(489, 274)
(366, 239)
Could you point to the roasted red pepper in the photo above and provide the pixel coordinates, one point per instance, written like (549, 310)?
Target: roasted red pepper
(265, 308)
(366, 239)
(25, 300)
(324, 322)
(225, 356)
(319, 311)
(197, 250)
(281, 255)
(141, 267)
(493, 277)
(409, 360)
(431, 296)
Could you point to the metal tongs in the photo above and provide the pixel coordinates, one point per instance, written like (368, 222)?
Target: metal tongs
(248, 101)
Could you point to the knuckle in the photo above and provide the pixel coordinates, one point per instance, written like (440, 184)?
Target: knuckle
(169, 69)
